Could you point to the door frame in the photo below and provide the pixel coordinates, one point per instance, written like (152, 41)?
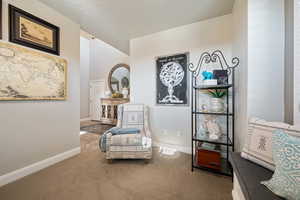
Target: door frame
(95, 101)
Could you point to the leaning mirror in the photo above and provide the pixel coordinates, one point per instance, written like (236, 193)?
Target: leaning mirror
(119, 80)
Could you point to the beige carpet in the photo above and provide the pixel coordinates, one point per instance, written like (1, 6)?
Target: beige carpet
(89, 176)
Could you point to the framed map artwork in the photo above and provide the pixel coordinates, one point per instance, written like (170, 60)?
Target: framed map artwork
(31, 31)
(30, 75)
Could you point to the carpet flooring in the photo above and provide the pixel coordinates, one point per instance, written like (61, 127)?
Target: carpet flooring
(89, 176)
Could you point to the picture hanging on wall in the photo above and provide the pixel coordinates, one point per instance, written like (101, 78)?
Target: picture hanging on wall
(31, 31)
(172, 80)
(31, 75)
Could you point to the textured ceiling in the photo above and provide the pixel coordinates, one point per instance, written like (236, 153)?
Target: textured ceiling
(118, 21)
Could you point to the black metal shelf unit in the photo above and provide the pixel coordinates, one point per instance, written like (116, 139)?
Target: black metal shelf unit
(227, 140)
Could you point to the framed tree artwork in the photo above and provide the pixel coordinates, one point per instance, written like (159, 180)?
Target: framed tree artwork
(31, 31)
(172, 80)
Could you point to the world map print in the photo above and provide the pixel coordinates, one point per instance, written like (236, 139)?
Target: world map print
(29, 75)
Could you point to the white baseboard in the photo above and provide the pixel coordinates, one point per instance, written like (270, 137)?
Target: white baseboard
(234, 195)
(183, 149)
(83, 132)
(237, 193)
(86, 119)
(20, 173)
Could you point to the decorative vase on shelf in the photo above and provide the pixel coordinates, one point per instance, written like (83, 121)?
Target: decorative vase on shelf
(125, 92)
(217, 105)
(107, 94)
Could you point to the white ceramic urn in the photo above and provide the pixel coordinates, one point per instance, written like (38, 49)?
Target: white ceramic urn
(217, 105)
(125, 92)
(107, 94)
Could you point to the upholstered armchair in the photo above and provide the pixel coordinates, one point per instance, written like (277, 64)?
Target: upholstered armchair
(131, 146)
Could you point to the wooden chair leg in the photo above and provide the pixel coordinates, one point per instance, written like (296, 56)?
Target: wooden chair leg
(146, 161)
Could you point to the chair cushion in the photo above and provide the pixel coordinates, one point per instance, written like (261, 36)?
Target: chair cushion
(250, 176)
(117, 148)
(286, 178)
(258, 146)
(127, 140)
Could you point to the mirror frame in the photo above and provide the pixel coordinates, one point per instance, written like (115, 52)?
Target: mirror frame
(111, 73)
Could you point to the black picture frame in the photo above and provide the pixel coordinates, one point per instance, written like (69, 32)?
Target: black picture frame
(51, 45)
(221, 76)
(180, 90)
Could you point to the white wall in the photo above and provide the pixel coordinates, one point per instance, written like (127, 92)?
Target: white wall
(102, 58)
(297, 63)
(84, 77)
(96, 60)
(172, 124)
(32, 131)
(240, 44)
(266, 59)
(259, 42)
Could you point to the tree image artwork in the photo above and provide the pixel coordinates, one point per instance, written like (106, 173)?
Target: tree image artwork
(171, 80)
(171, 75)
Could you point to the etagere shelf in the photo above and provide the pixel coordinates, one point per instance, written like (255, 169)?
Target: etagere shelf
(226, 142)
